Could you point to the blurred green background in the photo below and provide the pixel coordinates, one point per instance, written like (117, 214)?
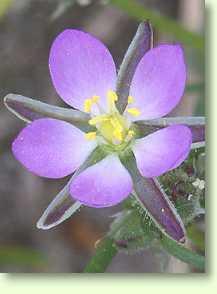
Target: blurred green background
(27, 28)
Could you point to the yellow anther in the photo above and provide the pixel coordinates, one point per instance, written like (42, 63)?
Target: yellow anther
(130, 100)
(95, 99)
(87, 105)
(134, 111)
(112, 96)
(90, 136)
(98, 119)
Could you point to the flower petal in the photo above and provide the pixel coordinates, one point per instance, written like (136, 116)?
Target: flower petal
(159, 81)
(81, 67)
(102, 185)
(163, 150)
(51, 148)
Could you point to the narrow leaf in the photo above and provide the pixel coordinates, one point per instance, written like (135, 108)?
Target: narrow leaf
(141, 43)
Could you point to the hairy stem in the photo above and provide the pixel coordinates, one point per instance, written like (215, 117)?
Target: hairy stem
(103, 257)
(182, 253)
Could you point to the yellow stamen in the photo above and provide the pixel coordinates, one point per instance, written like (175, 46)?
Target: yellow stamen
(110, 124)
(90, 136)
(130, 100)
(134, 111)
(112, 96)
(87, 105)
(98, 119)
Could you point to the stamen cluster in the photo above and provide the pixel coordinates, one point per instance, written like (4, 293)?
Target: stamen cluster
(110, 125)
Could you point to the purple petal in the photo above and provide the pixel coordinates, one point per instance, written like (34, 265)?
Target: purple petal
(51, 148)
(163, 150)
(104, 184)
(81, 67)
(159, 81)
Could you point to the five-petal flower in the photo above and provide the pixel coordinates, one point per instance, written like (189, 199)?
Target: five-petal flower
(84, 75)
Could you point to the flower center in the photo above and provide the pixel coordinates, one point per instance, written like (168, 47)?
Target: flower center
(111, 126)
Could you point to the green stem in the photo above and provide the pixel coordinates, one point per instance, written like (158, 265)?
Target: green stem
(102, 258)
(162, 23)
(182, 253)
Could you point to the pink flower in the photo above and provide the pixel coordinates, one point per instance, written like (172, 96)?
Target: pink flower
(84, 75)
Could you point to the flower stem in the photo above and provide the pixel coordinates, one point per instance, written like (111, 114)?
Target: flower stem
(103, 257)
(182, 253)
